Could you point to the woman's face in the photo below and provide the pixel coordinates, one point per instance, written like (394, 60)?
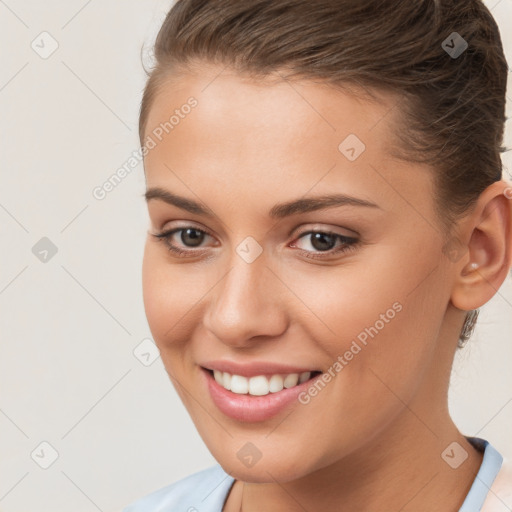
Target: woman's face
(365, 300)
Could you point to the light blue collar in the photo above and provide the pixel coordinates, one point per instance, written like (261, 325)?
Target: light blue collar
(491, 464)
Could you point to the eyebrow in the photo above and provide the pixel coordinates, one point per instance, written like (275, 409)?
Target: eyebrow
(278, 211)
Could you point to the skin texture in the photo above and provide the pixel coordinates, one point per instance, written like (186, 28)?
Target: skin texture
(372, 439)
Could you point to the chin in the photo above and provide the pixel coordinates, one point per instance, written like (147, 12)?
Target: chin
(267, 469)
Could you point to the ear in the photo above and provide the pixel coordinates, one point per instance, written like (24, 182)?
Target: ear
(487, 250)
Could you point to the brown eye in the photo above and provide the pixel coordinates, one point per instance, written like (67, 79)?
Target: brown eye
(192, 237)
(325, 242)
(189, 237)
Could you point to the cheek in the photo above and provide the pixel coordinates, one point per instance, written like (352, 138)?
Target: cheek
(379, 338)
(352, 302)
(382, 320)
(171, 299)
(171, 302)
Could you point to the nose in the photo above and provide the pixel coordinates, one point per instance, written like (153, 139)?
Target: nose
(248, 303)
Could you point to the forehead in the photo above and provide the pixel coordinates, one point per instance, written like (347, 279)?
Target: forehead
(244, 107)
(279, 136)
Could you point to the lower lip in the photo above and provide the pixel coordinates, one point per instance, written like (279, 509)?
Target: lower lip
(249, 408)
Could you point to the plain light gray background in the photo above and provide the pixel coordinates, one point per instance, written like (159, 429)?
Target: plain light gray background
(69, 326)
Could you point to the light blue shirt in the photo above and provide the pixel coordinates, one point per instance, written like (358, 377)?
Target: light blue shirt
(207, 490)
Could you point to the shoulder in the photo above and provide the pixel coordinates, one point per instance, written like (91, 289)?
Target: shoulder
(499, 498)
(205, 490)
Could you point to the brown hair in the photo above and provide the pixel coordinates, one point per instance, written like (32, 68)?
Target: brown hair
(453, 105)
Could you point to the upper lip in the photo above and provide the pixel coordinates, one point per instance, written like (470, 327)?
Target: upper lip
(254, 368)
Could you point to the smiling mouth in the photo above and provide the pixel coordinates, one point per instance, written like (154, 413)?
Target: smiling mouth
(260, 385)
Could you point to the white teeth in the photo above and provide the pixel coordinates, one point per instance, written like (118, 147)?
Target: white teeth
(226, 380)
(276, 383)
(291, 380)
(218, 377)
(304, 376)
(239, 384)
(259, 385)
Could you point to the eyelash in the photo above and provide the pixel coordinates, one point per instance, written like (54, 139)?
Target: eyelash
(349, 243)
